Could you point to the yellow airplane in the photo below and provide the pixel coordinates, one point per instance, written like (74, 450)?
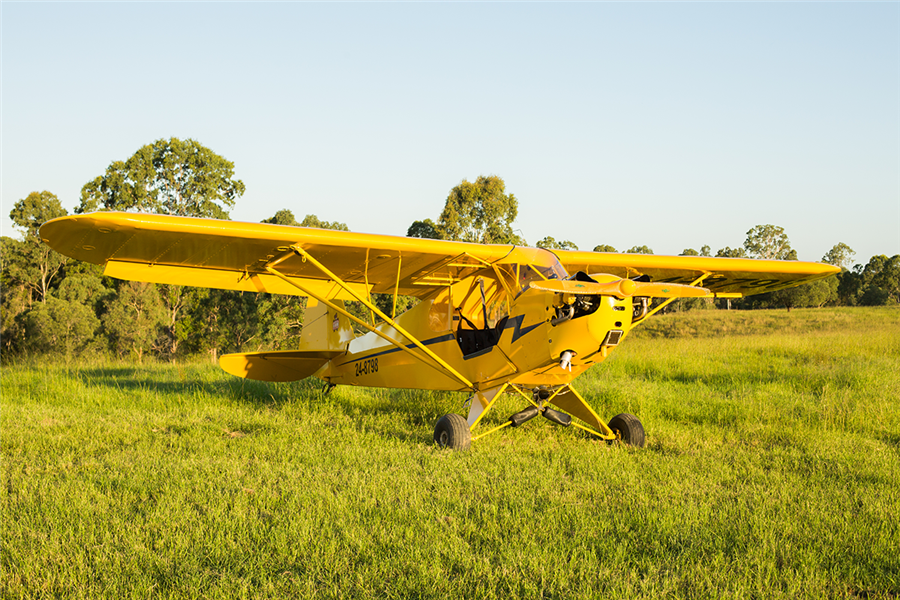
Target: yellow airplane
(490, 318)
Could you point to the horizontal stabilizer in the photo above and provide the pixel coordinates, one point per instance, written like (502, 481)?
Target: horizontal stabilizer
(287, 365)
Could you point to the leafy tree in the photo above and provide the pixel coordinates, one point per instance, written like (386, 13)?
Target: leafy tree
(704, 251)
(280, 321)
(423, 229)
(85, 289)
(224, 320)
(604, 248)
(769, 242)
(34, 210)
(282, 217)
(873, 284)
(882, 281)
(841, 255)
(171, 177)
(286, 217)
(30, 262)
(133, 318)
(314, 221)
(480, 212)
(810, 295)
(16, 300)
(548, 243)
(58, 326)
(727, 252)
(639, 250)
(179, 305)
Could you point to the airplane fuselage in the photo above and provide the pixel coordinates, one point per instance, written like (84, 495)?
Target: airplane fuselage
(525, 346)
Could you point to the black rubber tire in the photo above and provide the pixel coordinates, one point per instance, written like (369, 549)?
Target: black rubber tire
(452, 431)
(630, 430)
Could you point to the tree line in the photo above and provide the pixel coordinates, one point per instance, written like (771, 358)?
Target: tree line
(55, 305)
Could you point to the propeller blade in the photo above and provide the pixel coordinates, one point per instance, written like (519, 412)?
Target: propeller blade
(621, 288)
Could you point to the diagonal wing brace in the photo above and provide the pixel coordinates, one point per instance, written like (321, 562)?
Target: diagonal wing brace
(442, 365)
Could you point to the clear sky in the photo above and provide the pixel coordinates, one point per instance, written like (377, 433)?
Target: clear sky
(666, 124)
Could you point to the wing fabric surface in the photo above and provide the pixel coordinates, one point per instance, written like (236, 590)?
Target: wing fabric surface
(724, 277)
(234, 255)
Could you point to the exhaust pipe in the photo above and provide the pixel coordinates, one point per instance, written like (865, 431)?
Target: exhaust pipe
(563, 318)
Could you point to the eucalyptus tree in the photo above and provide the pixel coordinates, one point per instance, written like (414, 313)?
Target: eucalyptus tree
(769, 242)
(168, 177)
(548, 243)
(29, 262)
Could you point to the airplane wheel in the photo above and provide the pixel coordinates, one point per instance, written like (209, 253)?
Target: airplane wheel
(630, 429)
(452, 431)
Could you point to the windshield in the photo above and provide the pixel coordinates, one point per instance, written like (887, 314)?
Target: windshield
(535, 264)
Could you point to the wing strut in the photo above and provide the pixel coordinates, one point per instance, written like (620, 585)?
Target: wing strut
(308, 257)
(696, 282)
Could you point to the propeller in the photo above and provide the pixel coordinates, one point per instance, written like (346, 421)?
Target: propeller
(621, 288)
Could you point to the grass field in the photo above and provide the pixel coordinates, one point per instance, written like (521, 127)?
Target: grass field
(772, 469)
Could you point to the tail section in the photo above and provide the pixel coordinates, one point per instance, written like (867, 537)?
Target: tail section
(325, 334)
(325, 329)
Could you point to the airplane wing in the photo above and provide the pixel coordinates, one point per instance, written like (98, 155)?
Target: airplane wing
(233, 255)
(724, 277)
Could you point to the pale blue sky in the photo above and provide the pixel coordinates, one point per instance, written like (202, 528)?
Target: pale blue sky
(667, 124)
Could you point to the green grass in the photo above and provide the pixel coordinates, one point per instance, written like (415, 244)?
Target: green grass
(772, 469)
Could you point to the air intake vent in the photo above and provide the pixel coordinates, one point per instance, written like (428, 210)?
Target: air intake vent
(612, 338)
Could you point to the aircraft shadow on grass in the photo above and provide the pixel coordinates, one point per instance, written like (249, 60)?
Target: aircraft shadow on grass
(307, 395)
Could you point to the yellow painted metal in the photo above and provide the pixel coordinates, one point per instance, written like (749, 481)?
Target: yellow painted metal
(568, 399)
(621, 288)
(528, 397)
(401, 345)
(284, 365)
(490, 431)
(501, 277)
(566, 406)
(232, 255)
(669, 301)
(742, 276)
(489, 405)
(240, 250)
(397, 286)
(368, 290)
(387, 319)
(592, 432)
(223, 280)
